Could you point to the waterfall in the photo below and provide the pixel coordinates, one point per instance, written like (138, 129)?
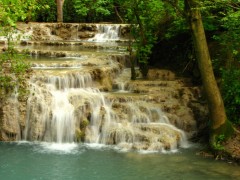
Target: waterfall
(106, 32)
(50, 109)
(58, 105)
(74, 100)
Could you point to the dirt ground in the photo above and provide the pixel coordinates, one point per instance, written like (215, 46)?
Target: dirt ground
(232, 146)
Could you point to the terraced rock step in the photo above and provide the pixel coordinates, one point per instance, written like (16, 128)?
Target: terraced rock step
(80, 90)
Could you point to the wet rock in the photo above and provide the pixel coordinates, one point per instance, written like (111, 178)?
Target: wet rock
(23, 43)
(85, 35)
(10, 121)
(125, 31)
(161, 74)
(127, 119)
(66, 31)
(2, 42)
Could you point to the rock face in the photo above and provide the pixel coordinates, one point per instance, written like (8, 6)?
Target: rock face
(12, 118)
(81, 91)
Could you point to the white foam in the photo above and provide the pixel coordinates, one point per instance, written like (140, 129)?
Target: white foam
(95, 145)
(24, 142)
(63, 148)
(147, 152)
(49, 67)
(74, 57)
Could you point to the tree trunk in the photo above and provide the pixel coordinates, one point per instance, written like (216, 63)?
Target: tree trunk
(60, 10)
(218, 118)
(117, 13)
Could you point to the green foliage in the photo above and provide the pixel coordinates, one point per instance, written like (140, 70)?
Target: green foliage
(12, 65)
(220, 135)
(177, 26)
(231, 93)
(13, 68)
(224, 17)
(12, 11)
(6, 84)
(217, 145)
(69, 12)
(231, 38)
(84, 123)
(46, 11)
(145, 17)
(94, 10)
(174, 22)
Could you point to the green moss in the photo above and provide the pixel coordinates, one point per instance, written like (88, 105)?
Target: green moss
(79, 135)
(80, 132)
(219, 135)
(84, 123)
(226, 129)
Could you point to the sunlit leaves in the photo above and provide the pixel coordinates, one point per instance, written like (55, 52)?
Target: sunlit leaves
(12, 66)
(93, 7)
(14, 10)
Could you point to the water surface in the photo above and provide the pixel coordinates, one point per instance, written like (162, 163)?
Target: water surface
(72, 161)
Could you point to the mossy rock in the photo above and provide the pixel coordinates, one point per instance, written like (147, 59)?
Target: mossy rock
(80, 132)
(79, 135)
(83, 124)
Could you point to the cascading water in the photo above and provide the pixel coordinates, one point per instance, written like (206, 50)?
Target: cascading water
(107, 32)
(60, 104)
(82, 98)
(54, 116)
(72, 100)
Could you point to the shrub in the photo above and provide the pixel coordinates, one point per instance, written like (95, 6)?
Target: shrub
(231, 94)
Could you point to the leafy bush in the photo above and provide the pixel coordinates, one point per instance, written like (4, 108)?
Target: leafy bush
(46, 11)
(69, 12)
(12, 65)
(231, 94)
(94, 11)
